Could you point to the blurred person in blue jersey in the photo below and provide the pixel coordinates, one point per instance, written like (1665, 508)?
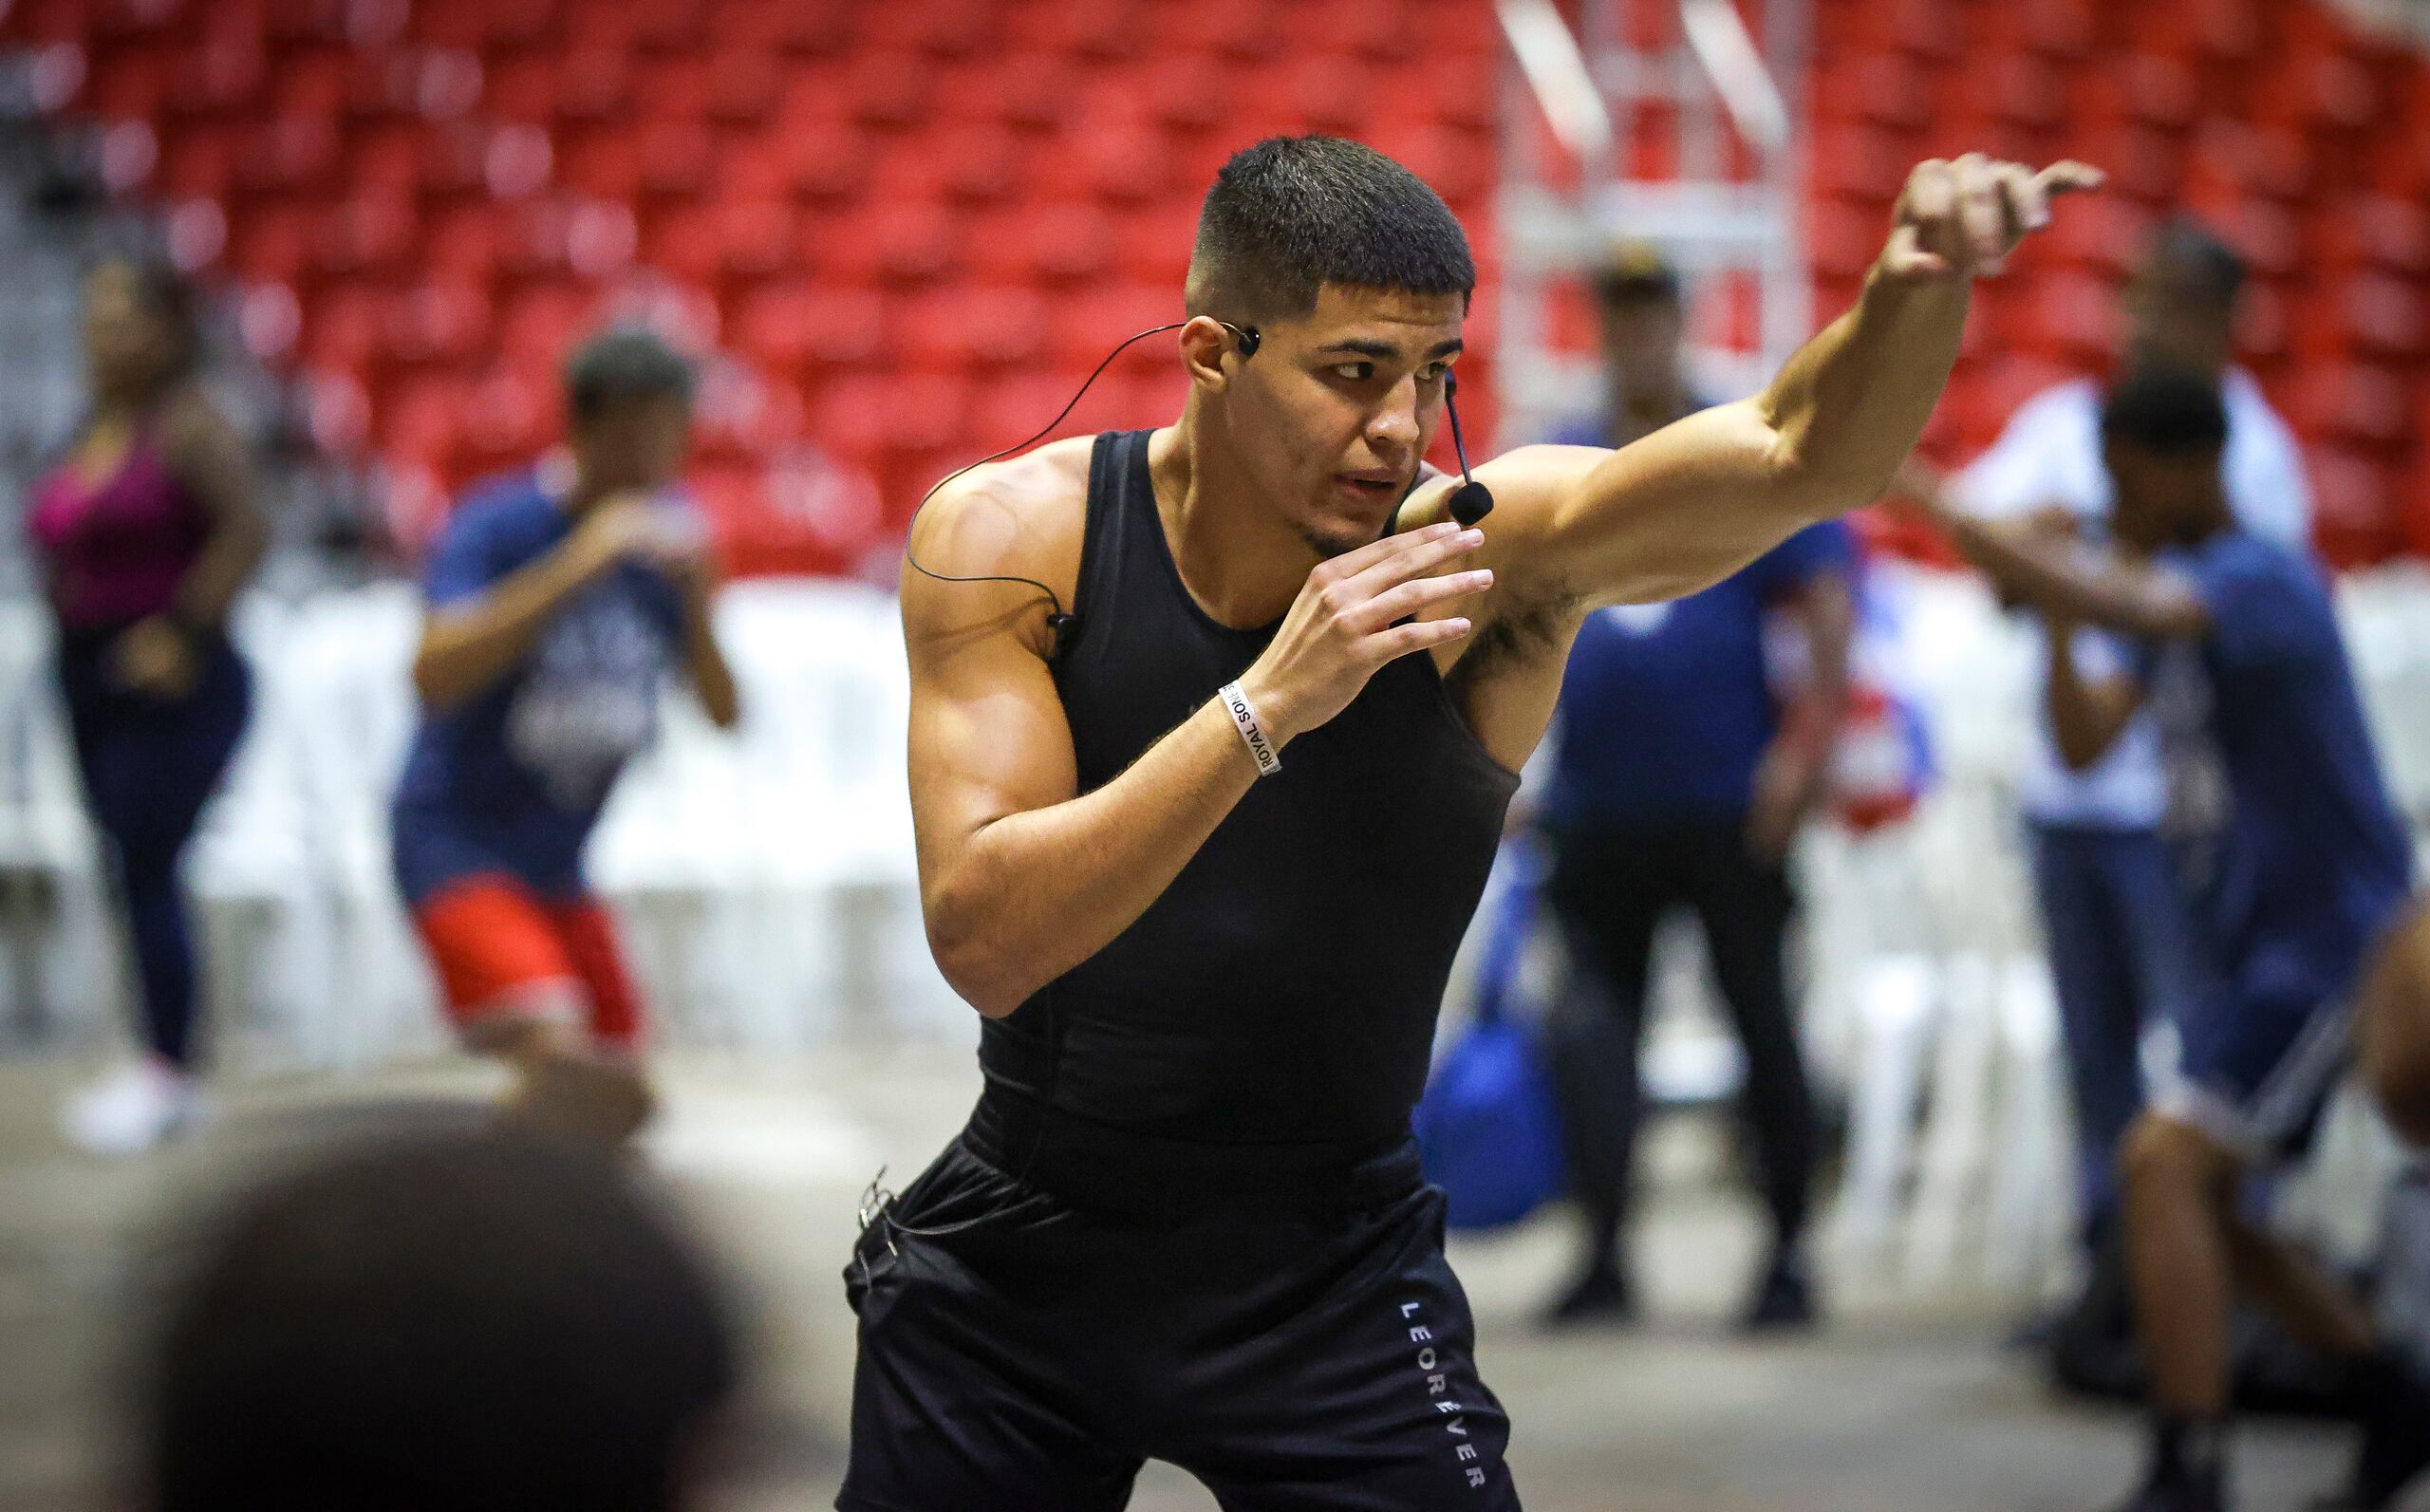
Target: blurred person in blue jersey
(2114, 895)
(1679, 781)
(559, 600)
(2313, 869)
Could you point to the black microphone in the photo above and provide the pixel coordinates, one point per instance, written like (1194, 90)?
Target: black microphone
(1472, 501)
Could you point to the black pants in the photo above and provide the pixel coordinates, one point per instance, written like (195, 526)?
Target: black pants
(1022, 1351)
(149, 765)
(1611, 888)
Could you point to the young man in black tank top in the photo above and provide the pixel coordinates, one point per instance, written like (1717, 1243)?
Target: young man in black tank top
(1200, 850)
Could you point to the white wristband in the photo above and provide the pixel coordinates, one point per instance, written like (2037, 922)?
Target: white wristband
(1244, 713)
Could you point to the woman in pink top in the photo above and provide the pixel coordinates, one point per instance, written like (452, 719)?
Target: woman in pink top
(146, 531)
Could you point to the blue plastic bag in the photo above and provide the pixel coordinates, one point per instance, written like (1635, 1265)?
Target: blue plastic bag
(1488, 1129)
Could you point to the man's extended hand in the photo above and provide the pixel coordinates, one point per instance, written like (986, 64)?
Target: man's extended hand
(1960, 218)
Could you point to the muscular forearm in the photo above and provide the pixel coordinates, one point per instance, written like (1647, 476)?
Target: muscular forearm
(1848, 407)
(1033, 894)
(465, 650)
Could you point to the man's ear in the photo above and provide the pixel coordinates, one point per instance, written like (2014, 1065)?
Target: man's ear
(1205, 342)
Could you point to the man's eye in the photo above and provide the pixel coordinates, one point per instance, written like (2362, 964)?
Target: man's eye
(1354, 372)
(1433, 372)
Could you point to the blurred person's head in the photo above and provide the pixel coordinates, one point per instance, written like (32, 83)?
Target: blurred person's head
(1356, 277)
(452, 1323)
(2182, 304)
(2162, 429)
(1643, 322)
(143, 328)
(628, 411)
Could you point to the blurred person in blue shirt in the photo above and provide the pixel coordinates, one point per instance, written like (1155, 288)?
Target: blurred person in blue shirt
(1678, 782)
(558, 602)
(2313, 869)
(2117, 917)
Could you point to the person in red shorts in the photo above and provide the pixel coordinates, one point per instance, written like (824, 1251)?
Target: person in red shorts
(558, 602)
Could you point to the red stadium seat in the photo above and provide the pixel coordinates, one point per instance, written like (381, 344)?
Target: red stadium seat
(756, 239)
(288, 154)
(438, 322)
(2375, 231)
(972, 328)
(541, 326)
(421, 420)
(1154, 245)
(824, 162)
(346, 327)
(744, 87)
(593, 84)
(1243, 32)
(684, 245)
(942, 28)
(273, 245)
(889, 242)
(221, 77)
(673, 158)
(1060, 242)
(674, 88)
(505, 422)
(464, 243)
(888, 90)
(2350, 404)
(792, 28)
(791, 326)
(601, 163)
(371, 235)
(1091, 325)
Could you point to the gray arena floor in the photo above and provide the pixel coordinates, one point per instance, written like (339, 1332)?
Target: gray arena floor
(1892, 1408)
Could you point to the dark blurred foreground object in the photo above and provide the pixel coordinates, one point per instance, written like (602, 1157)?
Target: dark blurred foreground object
(442, 1323)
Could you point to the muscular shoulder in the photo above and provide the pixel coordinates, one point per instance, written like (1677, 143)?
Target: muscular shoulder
(1021, 519)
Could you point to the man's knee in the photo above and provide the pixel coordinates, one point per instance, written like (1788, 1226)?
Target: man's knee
(2162, 1153)
(2393, 1033)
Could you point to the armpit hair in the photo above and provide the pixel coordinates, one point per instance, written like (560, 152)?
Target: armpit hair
(1519, 632)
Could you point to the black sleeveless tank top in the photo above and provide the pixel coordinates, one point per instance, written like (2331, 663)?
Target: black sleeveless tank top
(1284, 990)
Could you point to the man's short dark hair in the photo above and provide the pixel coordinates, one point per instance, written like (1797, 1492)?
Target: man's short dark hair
(2198, 254)
(1292, 213)
(2173, 411)
(479, 1323)
(623, 364)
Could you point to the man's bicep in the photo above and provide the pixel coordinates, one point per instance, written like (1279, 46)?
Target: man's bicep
(1660, 519)
(988, 740)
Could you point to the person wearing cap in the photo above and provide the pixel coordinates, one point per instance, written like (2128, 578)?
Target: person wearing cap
(1680, 779)
(559, 599)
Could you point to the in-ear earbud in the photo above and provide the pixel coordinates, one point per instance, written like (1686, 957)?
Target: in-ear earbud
(1248, 337)
(1472, 501)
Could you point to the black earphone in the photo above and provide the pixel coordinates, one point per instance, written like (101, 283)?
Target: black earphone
(1470, 502)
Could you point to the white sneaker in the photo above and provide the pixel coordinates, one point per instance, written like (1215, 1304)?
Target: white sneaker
(132, 1109)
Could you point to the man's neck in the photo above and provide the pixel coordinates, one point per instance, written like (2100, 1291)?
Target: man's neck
(1239, 559)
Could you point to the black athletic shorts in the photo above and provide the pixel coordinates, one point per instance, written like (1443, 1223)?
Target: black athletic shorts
(1024, 1352)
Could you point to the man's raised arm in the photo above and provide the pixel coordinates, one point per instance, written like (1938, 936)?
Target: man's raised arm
(1696, 500)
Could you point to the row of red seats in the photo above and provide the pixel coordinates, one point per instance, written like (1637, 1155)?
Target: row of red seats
(1115, 161)
(885, 90)
(730, 247)
(1106, 30)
